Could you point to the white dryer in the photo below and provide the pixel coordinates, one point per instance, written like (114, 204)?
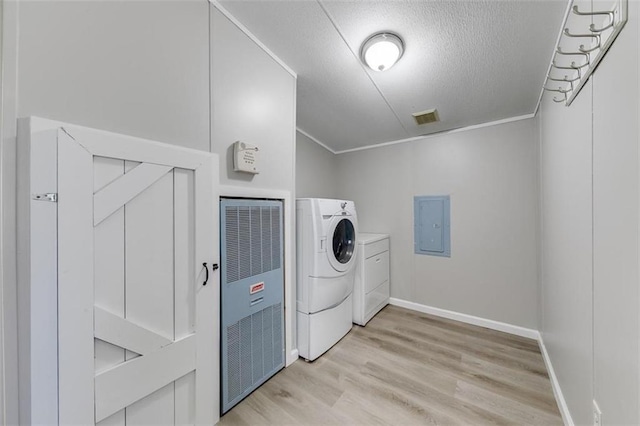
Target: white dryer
(326, 257)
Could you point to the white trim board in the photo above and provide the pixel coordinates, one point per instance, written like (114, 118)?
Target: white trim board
(555, 385)
(468, 319)
(302, 132)
(8, 264)
(445, 132)
(417, 138)
(253, 38)
(2, 386)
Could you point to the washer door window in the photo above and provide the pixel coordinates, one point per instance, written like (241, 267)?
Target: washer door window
(343, 243)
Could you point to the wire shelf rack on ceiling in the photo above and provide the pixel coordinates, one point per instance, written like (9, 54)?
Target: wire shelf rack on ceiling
(585, 39)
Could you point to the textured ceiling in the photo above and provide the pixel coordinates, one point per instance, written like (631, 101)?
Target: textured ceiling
(475, 61)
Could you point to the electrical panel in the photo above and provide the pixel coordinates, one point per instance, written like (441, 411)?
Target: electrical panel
(432, 225)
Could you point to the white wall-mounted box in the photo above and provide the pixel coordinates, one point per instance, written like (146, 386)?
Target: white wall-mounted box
(245, 158)
(371, 287)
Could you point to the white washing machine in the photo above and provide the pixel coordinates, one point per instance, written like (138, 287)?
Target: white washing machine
(326, 257)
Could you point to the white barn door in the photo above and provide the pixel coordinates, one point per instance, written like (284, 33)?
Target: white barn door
(138, 330)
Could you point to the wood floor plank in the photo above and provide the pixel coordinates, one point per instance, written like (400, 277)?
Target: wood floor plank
(427, 373)
(476, 341)
(517, 412)
(469, 329)
(538, 386)
(409, 368)
(473, 344)
(446, 406)
(363, 414)
(446, 361)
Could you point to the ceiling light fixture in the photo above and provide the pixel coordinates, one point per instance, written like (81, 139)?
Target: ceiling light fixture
(381, 51)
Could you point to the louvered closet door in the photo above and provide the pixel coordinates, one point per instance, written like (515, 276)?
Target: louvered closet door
(138, 330)
(252, 295)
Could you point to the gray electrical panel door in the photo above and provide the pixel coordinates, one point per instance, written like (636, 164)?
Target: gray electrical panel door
(252, 296)
(432, 225)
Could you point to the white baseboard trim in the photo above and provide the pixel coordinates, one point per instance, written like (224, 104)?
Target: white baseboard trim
(293, 357)
(555, 385)
(469, 319)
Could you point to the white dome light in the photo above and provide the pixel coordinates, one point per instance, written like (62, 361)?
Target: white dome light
(381, 51)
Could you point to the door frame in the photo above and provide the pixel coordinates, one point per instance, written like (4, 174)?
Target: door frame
(38, 391)
(8, 271)
(2, 326)
(291, 345)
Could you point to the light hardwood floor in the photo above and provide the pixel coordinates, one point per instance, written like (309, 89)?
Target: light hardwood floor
(409, 368)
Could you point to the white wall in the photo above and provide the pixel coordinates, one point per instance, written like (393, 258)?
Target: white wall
(141, 68)
(566, 268)
(379, 182)
(491, 175)
(316, 170)
(616, 219)
(254, 100)
(590, 187)
(132, 67)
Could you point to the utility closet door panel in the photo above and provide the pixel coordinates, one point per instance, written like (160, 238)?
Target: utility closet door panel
(138, 326)
(134, 269)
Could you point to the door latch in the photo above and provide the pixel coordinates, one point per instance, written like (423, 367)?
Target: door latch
(49, 196)
(214, 266)
(206, 270)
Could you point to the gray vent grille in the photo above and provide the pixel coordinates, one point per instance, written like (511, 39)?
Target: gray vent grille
(252, 240)
(254, 349)
(256, 243)
(244, 243)
(267, 333)
(233, 356)
(426, 117)
(278, 344)
(275, 232)
(267, 251)
(232, 244)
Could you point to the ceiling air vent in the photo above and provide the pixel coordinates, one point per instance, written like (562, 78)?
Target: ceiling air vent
(426, 117)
